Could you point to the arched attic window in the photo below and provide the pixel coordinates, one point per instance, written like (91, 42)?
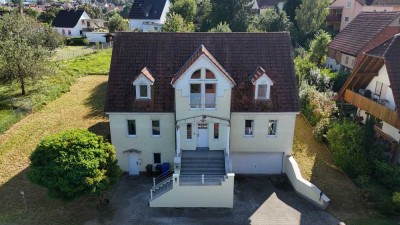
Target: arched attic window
(210, 75)
(196, 75)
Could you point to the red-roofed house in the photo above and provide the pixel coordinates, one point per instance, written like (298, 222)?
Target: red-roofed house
(210, 105)
(374, 88)
(365, 32)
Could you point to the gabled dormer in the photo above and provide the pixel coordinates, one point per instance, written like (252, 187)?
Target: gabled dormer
(263, 84)
(143, 83)
(201, 81)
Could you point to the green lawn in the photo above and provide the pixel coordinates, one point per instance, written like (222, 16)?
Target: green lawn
(81, 107)
(14, 106)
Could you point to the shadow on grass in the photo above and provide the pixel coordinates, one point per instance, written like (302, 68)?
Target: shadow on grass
(44, 210)
(345, 202)
(96, 101)
(102, 129)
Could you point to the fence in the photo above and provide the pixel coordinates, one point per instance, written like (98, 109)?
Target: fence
(70, 52)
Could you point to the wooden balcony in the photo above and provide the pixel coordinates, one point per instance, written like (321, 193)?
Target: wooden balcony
(377, 110)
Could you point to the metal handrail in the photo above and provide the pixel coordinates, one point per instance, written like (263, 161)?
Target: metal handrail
(162, 177)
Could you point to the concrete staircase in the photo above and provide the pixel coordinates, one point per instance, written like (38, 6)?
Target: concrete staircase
(202, 166)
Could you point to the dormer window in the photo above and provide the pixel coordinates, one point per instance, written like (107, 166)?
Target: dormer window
(143, 83)
(262, 84)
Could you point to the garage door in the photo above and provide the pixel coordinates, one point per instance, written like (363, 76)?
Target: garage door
(257, 163)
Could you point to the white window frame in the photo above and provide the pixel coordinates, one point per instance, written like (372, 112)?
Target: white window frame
(346, 19)
(348, 4)
(263, 80)
(142, 80)
(203, 81)
(275, 128)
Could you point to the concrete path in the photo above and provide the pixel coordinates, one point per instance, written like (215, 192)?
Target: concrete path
(258, 200)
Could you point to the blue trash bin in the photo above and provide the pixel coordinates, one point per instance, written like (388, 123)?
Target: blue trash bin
(165, 167)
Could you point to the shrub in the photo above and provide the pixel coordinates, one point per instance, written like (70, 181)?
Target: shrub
(316, 105)
(321, 129)
(361, 181)
(387, 174)
(74, 163)
(396, 200)
(345, 139)
(77, 41)
(338, 79)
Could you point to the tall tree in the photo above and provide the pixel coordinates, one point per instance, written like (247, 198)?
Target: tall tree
(92, 11)
(186, 8)
(24, 49)
(222, 27)
(203, 15)
(290, 9)
(236, 12)
(48, 15)
(311, 14)
(175, 23)
(319, 48)
(125, 12)
(271, 20)
(117, 23)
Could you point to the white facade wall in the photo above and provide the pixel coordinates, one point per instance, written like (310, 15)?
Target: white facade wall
(347, 60)
(75, 31)
(212, 196)
(383, 77)
(143, 140)
(96, 36)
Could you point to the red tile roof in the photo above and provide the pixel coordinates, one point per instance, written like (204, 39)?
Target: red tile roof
(166, 53)
(364, 28)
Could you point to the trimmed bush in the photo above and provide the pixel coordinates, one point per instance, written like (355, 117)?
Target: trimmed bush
(74, 163)
(346, 141)
(387, 174)
(396, 200)
(77, 41)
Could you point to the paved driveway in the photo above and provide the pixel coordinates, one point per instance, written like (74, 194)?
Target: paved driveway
(258, 200)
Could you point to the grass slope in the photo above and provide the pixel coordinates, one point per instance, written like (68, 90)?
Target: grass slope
(79, 108)
(316, 165)
(50, 87)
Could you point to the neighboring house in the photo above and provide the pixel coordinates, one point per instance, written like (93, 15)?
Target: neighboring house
(342, 12)
(208, 104)
(148, 15)
(77, 23)
(70, 22)
(366, 31)
(374, 88)
(262, 5)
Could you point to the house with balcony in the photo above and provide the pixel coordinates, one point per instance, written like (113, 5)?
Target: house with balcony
(210, 105)
(70, 23)
(148, 15)
(365, 32)
(374, 88)
(342, 12)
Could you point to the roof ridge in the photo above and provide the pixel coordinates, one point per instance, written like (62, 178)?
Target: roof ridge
(390, 45)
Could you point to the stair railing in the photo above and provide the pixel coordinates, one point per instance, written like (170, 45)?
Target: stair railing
(163, 177)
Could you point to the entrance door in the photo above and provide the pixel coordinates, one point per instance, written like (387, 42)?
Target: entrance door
(133, 162)
(202, 135)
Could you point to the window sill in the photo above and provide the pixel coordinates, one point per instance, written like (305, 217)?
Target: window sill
(210, 109)
(248, 136)
(156, 136)
(272, 136)
(195, 109)
(216, 139)
(131, 136)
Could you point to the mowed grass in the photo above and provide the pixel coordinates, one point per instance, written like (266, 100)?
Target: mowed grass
(316, 165)
(82, 108)
(50, 87)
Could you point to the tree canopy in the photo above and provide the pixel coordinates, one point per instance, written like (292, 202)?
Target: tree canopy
(48, 15)
(311, 15)
(175, 23)
(186, 8)
(221, 27)
(73, 163)
(117, 23)
(290, 9)
(319, 48)
(25, 46)
(236, 12)
(271, 20)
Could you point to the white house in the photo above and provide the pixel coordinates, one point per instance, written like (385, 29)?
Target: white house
(70, 23)
(209, 104)
(148, 15)
(262, 5)
(374, 88)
